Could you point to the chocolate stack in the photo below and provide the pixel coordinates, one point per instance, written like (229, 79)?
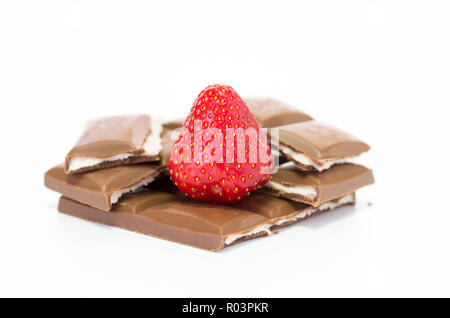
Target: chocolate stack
(117, 175)
(317, 157)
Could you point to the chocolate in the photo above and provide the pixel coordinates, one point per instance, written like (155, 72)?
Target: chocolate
(102, 188)
(285, 212)
(115, 141)
(171, 130)
(173, 124)
(316, 188)
(273, 113)
(315, 146)
(207, 226)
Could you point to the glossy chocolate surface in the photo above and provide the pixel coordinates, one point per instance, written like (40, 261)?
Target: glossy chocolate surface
(320, 140)
(111, 136)
(207, 226)
(95, 188)
(335, 182)
(273, 113)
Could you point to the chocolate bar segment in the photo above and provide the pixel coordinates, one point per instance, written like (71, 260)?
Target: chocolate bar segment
(171, 130)
(136, 203)
(207, 226)
(316, 188)
(202, 225)
(115, 141)
(283, 212)
(270, 206)
(186, 222)
(102, 188)
(315, 146)
(273, 113)
(173, 124)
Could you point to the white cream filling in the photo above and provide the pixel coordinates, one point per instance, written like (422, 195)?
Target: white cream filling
(152, 146)
(301, 215)
(349, 198)
(115, 196)
(324, 164)
(325, 206)
(78, 162)
(309, 192)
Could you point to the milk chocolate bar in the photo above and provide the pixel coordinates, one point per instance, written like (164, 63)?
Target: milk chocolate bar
(315, 146)
(207, 226)
(102, 188)
(316, 188)
(114, 141)
(273, 113)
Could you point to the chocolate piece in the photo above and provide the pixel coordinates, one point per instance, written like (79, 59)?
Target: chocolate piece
(283, 212)
(315, 188)
(270, 206)
(102, 188)
(197, 224)
(171, 130)
(173, 124)
(115, 141)
(273, 113)
(315, 146)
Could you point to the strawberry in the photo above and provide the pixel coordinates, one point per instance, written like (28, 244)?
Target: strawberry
(220, 155)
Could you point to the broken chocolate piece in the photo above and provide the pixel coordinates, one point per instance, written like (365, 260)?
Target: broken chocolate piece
(208, 226)
(316, 188)
(102, 188)
(115, 141)
(283, 212)
(315, 146)
(273, 113)
(173, 124)
(171, 130)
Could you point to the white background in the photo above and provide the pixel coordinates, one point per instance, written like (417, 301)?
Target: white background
(378, 69)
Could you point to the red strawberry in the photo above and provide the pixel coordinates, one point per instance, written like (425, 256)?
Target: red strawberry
(220, 155)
